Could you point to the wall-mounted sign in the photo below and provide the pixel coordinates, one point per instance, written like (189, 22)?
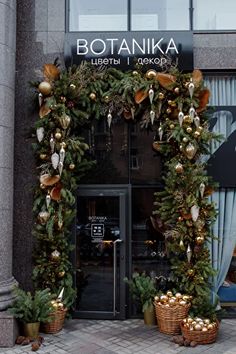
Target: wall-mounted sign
(125, 49)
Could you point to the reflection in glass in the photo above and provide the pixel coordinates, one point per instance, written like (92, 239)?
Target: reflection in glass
(214, 15)
(152, 15)
(94, 15)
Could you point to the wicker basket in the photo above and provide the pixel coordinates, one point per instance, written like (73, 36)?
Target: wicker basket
(57, 322)
(200, 337)
(170, 318)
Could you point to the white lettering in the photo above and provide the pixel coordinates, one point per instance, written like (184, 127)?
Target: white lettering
(112, 43)
(171, 45)
(84, 45)
(142, 49)
(124, 46)
(103, 44)
(156, 45)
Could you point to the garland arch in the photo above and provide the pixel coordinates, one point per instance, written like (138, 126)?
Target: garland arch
(173, 106)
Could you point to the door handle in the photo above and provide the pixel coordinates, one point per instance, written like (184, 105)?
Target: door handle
(118, 240)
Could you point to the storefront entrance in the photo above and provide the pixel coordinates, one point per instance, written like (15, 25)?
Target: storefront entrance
(102, 232)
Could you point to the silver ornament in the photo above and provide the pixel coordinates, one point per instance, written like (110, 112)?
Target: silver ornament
(160, 132)
(40, 97)
(192, 113)
(196, 121)
(60, 167)
(189, 254)
(55, 160)
(109, 119)
(180, 117)
(191, 89)
(48, 200)
(62, 154)
(151, 95)
(52, 144)
(194, 212)
(152, 116)
(202, 189)
(190, 151)
(40, 134)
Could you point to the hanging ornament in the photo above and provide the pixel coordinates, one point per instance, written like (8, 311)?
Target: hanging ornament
(151, 74)
(60, 167)
(185, 140)
(43, 156)
(65, 121)
(40, 98)
(176, 90)
(60, 224)
(191, 113)
(48, 200)
(202, 189)
(189, 254)
(58, 135)
(52, 143)
(109, 119)
(160, 132)
(55, 160)
(61, 274)
(43, 217)
(191, 89)
(40, 134)
(62, 154)
(179, 168)
(194, 212)
(161, 96)
(152, 116)
(73, 86)
(200, 240)
(55, 255)
(93, 96)
(180, 117)
(181, 244)
(196, 134)
(189, 130)
(196, 121)
(71, 166)
(190, 151)
(45, 88)
(151, 94)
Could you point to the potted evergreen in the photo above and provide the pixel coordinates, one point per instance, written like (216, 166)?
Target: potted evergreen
(31, 309)
(143, 289)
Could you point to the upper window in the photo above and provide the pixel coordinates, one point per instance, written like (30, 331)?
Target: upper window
(98, 15)
(214, 15)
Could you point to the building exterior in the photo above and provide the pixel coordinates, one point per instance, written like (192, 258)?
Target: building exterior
(35, 32)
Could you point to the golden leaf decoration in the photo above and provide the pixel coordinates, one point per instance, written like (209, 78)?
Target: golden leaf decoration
(44, 111)
(197, 77)
(166, 80)
(48, 180)
(51, 72)
(140, 96)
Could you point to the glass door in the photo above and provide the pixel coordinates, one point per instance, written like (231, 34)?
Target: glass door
(100, 252)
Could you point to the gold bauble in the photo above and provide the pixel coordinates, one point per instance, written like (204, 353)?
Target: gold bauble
(45, 88)
(55, 305)
(151, 74)
(63, 145)
(179, 168)
(61, 275)
(198, 327)
(71, 166)
(200, 129)
(182, 302)
(186, 297)
(169, 293)
(107, 99)
(43, 217)
(42, 186)
(185, 320)
(172, 302)
(190, 272)
(92, 96)
(156, 298)
(181, 147)
(176, 90)
(73, 86)
(210, 326)
(199, 240)
(204, 329)
(187, 119)
(168, 111)
(55, 255)
(189, 320)
(185, 140)
(194, 323)
(57, 135)
(178, 296)
(189, 130)
(43, 156)
(135, 72)
(207, 321)
(163, 298)
(172, 126)
(170, 102)
(190, 151)
(196, 134)
(161, 96)
(180, 218)
(60, 304)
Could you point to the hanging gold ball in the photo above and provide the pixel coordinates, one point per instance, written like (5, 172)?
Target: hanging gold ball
(179, 168)
(172, 126)
(190, 272)
(168, 111)
(151, 74)
(43, 156)
(45, 88)
(61, 274)
(135, 72)
(63, 145)
(185, 140)
(181, 147)
(42, 186)
(73, 86)
(196, 134)
(60, 224)
(58, 135)
(169, 293)
(161, 95)
(189, 130)
(92, 96)
(199, 240)
(71, 166)
(200, 129)
(107, 99)
(55, 255)
(187, 119)
(43, 217)
(176, 90)
(170, 102)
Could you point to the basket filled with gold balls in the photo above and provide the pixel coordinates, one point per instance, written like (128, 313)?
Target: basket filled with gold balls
(171, 309)
(200, 330)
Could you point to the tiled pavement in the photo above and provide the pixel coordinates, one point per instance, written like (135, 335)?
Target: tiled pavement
(124, 337)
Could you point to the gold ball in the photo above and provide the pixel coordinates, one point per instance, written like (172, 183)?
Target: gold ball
(73, 86)
(182, 302)
(204, 329)
(198, 327)
(168, 111)
(189, 320)
(207, 321)
(170, 102)
(181, 147)
(172, 126)
(187, 119)
(135, 72)
(189, 130)
(185, 140)
(61, 274)
(163, 298)
(200, 129)
(43, 156)
(156, 298)
(63, 145)
(45, 88)
(93, 96)
(210, 326)
(176, 90)
(199, 240)
(178, 296)
(58, 135)
(196, 134)
(190, 272)
(179, 168)
(161, 96)
(172, 302)
(71, 166)
(106, 99)
(169, 293)
(42, 186)
(151, 74)
(186, 297)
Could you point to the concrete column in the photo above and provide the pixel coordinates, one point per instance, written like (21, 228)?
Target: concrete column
(7, 97)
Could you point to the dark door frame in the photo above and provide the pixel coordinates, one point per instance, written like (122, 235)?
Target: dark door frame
(123, 191)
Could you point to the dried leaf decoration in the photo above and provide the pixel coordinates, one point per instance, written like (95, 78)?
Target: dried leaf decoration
(56, 192)
(203, 99)
(51, 72)
(44, 111)
(166, 80)
(197, 77)
(48, 180)
(140, 96)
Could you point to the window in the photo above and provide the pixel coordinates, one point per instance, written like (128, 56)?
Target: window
(214, 14)
(98, 15)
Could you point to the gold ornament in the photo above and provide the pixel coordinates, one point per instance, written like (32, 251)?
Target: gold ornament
(187, 119)
(182, 303)
(55, 255)
(58, 135)
(106, 99)
(179, 168)
(43, 156)
(163, 298)
(43, 217)
(207, 321)
(168, 111)
(204, 329)
(42, 186)
(186, 298)
(200, 129)
(190, 272)
(169, 293)
(172, 126)
(196, 134)
(172, 302)
(161, 96)
(178, 296)
(199, 240)
(156, 298)
(63, 145)
(190, 151)
(180, 218)
(176, 90)
(210, 326)
(60, 224)
(135, 72)
(170, 102)
(61, 275)
(185, 140)
(92, 96)
(151, 74)
(71, 166)
(73, 86)
(45, 88)
(198, 327)
(189, 130)
(65, 121)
